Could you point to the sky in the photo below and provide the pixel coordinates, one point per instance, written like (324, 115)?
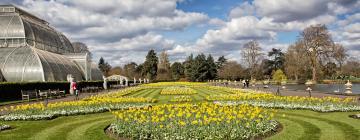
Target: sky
(123, 31)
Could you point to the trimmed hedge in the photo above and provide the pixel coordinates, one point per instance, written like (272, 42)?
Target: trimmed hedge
(10, 91)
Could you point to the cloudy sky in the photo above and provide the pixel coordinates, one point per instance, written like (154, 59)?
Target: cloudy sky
(123, 31)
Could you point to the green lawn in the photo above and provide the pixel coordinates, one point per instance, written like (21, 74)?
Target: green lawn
(297, 124)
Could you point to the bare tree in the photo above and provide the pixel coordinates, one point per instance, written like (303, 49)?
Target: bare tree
(163, 70)
(318, 45)
(80, 47)
(296, 58)
(252, 55)
(231, 71)
(339, 54)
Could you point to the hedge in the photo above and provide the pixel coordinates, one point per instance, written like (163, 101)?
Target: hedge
(10, 91)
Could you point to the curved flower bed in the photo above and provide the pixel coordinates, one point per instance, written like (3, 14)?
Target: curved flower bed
(177, 91)
(326, 104)
(94, 104)
(181, 99)
(199, 121)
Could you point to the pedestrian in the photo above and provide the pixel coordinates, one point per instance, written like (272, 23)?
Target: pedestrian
(74, 88)
(244, 83)
(247, 83)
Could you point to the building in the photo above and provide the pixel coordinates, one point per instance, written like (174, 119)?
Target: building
(31, 50)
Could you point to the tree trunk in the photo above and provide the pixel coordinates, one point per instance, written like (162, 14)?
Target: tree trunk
(314, 73)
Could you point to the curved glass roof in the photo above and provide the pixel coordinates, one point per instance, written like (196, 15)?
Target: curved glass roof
(96, 74)
(31, 50)
(18, 28)
(32, 64)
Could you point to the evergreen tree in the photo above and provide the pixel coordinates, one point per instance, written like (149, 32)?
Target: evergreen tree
(200, 68)
(150, 65)
(220, 62)
(177, 70)
(212, 68)
(189, 67)
(277, 62)
(104, 66)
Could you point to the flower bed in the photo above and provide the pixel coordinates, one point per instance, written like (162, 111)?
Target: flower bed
(187, 121)
(167, 84)
(177, 91)
(4, 127)
(326, 104)
(94, 104)
(181, 99)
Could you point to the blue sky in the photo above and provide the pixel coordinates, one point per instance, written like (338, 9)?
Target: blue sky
(122, 31)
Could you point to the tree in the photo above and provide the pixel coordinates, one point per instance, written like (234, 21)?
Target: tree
(339, 54)
(200, 68)
(220, 62)
(211, 68)
(116, 71)
(330, 70)
(231, 70)
(104, 66)
(278, 59)
(279, 76)
(177, 70)
(80, 47)
(150, 65)
(318, 45)
(296, 59)
(163, 71)
(189, 68)
(130, 70)
(251, 53)
(352, 68)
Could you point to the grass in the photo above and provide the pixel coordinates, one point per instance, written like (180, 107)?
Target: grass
(297, 124)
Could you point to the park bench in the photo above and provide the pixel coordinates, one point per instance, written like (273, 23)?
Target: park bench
(57, 93)
(29, 94)
(44, 94)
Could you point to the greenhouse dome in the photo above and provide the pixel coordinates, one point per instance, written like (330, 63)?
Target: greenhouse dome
(31, 50)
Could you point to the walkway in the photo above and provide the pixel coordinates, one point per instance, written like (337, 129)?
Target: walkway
(62, 99)
(288, 92)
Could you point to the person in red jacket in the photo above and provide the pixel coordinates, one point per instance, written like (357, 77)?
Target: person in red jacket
(74, 87)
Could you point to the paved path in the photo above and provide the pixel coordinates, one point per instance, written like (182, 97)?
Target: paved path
(62, 99)
(289, 92)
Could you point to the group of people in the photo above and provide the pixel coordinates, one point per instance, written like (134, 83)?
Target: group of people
(245, 83)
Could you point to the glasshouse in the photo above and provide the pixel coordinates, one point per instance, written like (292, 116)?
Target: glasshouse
(32, 50)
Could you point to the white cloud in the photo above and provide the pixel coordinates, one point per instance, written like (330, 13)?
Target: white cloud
(244, 9)
(131, 49)
(113, 20)
(234, 32)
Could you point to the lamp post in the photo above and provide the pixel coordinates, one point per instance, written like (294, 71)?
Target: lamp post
(348, 86)
(309, 84)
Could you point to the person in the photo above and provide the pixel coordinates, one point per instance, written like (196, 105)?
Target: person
(74, 88)
(247, 81)
(244, 84)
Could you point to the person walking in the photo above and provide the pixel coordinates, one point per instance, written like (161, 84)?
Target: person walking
(247, 81)
(244, 83)
(74, 88)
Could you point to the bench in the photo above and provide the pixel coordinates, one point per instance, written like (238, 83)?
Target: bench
(29, 94)
(57, 93)
(51, 93)
(44, 94)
